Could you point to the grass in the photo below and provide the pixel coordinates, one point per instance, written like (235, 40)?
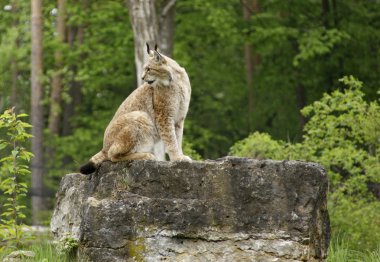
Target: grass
(44, 248)
(45, 252)
(340, 252)
(48, 252)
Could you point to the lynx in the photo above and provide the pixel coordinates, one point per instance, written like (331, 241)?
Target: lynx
(152, 114)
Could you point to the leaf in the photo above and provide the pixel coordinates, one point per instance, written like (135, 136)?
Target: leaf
(15, 152)
(24, 171)
(23, 185)
(3, 145)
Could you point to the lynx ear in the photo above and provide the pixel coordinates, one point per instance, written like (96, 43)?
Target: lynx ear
(157, 56)
(147, 48)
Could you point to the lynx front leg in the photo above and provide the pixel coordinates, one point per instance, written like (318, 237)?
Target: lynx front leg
(167, 133)
(179, 134)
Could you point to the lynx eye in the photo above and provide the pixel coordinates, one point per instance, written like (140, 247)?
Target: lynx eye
(148, 69)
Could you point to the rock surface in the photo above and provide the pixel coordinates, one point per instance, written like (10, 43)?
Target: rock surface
(234, 209)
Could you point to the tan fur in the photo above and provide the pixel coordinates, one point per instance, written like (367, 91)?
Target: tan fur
(154, 112)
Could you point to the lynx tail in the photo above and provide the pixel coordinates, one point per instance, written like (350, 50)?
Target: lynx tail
(93, 164)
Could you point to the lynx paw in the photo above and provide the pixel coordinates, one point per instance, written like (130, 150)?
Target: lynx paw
(182, 158)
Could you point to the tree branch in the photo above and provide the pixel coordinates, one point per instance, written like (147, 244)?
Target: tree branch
(243, 3)
(168, 6)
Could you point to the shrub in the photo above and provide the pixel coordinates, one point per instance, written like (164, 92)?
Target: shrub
(14, 170)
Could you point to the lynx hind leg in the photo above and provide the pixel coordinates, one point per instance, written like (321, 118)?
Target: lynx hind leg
(135, 140)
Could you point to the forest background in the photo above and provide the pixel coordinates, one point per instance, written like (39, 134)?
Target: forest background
(253, 65)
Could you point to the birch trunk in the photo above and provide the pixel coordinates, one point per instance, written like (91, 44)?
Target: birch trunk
(14, 66)
(14, 87)
(37, 163)
(55, 98)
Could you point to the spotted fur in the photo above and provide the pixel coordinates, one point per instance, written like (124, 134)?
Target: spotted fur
(151, 115)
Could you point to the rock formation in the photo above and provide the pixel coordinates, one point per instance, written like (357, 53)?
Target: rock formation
(233, 209)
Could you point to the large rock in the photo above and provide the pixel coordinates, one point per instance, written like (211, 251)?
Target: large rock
(234, 209)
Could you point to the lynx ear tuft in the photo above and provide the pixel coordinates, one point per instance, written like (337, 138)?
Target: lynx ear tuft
(147, 48)
(155, 47)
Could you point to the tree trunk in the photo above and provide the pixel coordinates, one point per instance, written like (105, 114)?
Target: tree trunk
(251, 60)
(301, 103)
(167, 27)
(151, 24)
(68, 108)
(37, 164)
(55, 98)
(340, 65)
(335, 13)
(142, 14)
(300, 91)
(14, 66)
(76, 89)
(74, 34)
(14, 94)
(325, 12)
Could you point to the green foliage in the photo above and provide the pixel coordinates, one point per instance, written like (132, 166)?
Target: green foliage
(14, 171)
(14, 53)
(343, 135)
(259, 145)
(207, 36)
(339, 251)
(299, 47)
(101, 65)
(44, 249)
(317, 42)
(189, 151)
(67, 245)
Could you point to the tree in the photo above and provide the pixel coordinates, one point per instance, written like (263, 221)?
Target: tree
(151, 24)
(37, 117)
(56, 85)
(251, 60)
(306, 45)
(145, 30)
(15, 55)
(96, 80)
(14, 66)
(75, 38)
(166, 17)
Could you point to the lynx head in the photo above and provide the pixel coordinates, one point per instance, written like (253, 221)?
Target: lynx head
(156, 70)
